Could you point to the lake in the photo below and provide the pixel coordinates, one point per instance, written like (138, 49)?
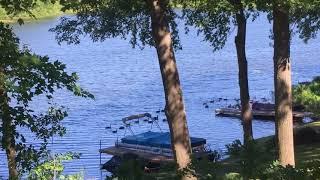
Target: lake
(127, 81)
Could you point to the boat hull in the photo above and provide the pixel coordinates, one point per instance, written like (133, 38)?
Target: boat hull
(257, 114)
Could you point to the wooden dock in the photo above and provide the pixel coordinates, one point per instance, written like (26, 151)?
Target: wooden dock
(257, 114)
(120, 151)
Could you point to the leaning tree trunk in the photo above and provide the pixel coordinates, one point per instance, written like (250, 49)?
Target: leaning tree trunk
(240, 41)
(175, 111)
(282, 84)
(8, 141)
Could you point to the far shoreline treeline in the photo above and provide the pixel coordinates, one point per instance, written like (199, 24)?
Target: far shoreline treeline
(43, 10)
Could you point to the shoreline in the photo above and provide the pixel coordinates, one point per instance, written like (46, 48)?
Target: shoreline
(30, 19)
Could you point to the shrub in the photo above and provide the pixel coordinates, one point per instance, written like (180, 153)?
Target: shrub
(251, 158)
(53, 167)
(308, 94)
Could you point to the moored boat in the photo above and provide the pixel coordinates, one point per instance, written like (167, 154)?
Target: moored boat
(151, 146)
(264, 111)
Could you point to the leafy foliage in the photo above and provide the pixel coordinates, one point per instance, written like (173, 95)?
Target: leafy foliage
(277, 172)
(202, 168)
(308, 94)
(304, 16)
(215, 19)
(251, 158)
(130, 169)
(256, 162)
(205, 167)
(109, 19)
(212, 18)
(47, 169)
(26, 76)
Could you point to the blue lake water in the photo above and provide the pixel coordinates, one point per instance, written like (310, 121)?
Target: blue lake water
(127, 81)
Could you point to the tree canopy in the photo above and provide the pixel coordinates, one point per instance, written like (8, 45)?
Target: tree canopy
(127, 19)
(215, 19)
(23, 77)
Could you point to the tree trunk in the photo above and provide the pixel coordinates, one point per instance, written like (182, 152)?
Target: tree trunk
(282, 84)
(240, 41)
(8, 141)
(174, 109)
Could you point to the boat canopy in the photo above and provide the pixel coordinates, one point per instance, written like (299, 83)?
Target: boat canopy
(157, 139)
(137, 116)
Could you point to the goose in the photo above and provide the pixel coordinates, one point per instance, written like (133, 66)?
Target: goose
(108, 127)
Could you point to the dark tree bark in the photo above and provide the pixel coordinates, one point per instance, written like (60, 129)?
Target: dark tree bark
(174, 109)
(8, 141)
(240, 41)
(282, 84)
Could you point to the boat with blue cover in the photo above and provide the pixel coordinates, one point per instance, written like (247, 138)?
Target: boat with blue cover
(150, 146)
(153, 146)
(157, 139)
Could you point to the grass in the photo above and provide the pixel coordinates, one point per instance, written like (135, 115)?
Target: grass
(307, 153)
(312, 125)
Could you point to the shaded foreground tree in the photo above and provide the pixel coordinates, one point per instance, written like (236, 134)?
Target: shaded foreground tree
(175, 111)
(289, 18)
(212, 18)
(282, 83)
(24, 76)
(149, 22)
(280, 12)
(240, 41)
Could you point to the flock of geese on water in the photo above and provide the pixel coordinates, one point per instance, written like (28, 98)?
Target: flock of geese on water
(237, 100)
(156, 118)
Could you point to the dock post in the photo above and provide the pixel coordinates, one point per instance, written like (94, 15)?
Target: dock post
(100, 161)
(100, 153)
